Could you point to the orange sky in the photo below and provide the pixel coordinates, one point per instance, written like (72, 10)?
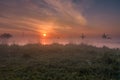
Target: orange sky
(60, 18)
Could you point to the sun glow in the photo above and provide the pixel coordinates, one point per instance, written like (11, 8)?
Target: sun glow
(44, 34)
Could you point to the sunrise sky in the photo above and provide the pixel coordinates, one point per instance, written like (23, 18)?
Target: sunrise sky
(63, 18)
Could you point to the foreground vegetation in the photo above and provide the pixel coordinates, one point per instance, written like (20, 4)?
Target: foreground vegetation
(59, 62)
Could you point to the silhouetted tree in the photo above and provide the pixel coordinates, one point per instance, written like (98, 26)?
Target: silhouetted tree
(106, 36)
(82, 36)
(4, 38)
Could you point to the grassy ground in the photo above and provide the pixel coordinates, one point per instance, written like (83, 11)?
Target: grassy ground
(59, 62)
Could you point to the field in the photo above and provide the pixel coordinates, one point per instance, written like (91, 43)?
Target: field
(59, 62)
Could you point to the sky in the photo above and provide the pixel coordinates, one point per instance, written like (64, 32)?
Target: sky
(61, 18)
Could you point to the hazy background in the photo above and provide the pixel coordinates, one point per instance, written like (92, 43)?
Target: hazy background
(27, 20)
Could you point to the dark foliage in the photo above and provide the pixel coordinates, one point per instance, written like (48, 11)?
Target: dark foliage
(59, 62)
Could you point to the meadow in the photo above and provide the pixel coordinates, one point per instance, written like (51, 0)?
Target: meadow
(59, 62)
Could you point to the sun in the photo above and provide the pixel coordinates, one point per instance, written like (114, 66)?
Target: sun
(44, 34)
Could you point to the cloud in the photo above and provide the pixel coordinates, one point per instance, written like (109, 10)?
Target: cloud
(60, 16)
(65, 9)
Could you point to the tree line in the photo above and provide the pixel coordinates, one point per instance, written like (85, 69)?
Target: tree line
(6, 36)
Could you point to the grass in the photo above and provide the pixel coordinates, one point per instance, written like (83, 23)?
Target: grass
(59, 62)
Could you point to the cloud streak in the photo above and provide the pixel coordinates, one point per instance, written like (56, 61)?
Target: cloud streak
(41, 15)
(63, 17)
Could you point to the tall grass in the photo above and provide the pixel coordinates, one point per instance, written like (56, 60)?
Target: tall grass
(59, 62)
